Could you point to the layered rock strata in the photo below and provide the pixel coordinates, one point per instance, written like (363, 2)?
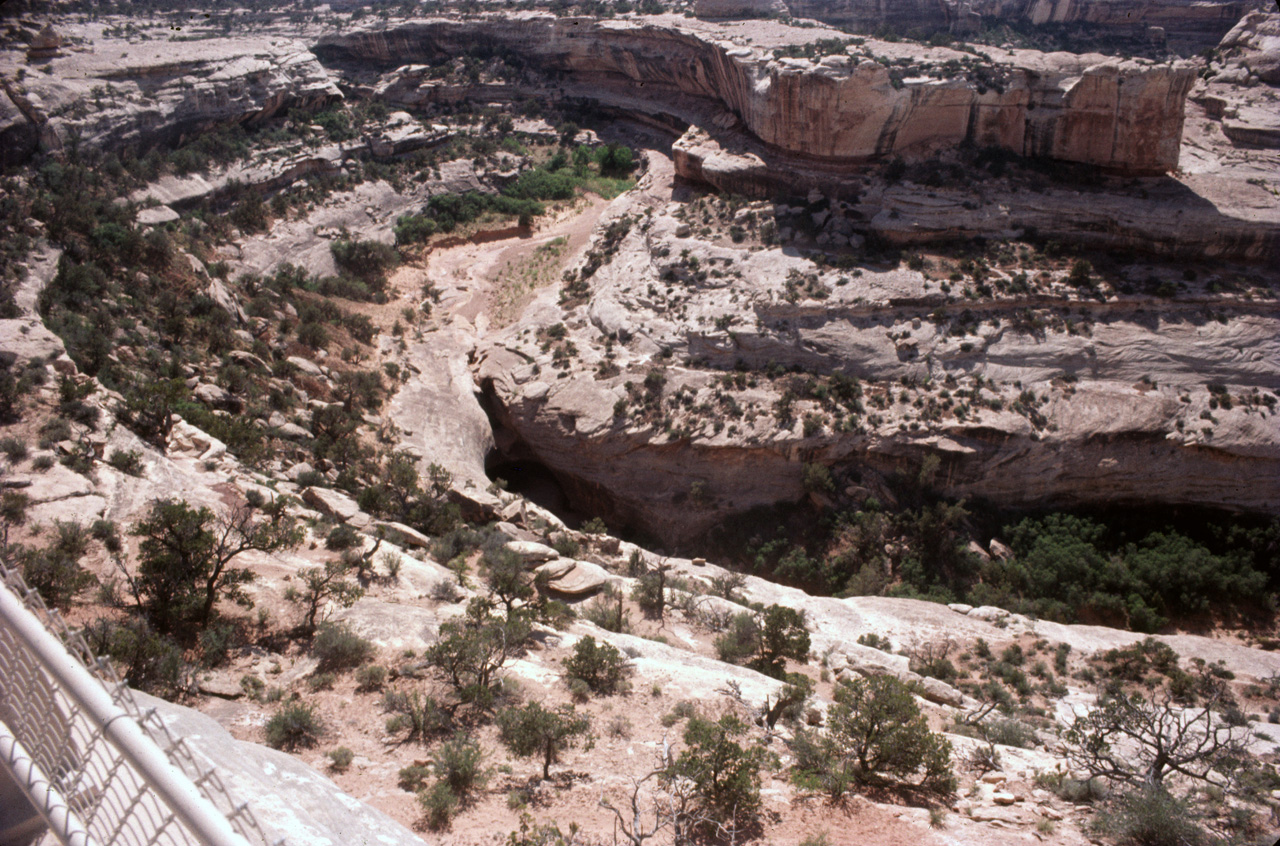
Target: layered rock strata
(887, 100)
(1081, 401)
(1188, 22)
(115, 94)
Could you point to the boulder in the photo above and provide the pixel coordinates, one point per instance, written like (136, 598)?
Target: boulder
(532, 553)
(403, 535)
(157, 215)
(336, 505)
(187, 441)
(581, 578)
(939, 692)
(306, 366)
(216, 397)
(866, 661)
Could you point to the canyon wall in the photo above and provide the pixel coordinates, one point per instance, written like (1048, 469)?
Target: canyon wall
(1124, 115)
(1190, 22)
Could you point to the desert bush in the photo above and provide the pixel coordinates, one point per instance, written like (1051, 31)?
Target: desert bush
(459, 764)
(371, 677)
(339, 648)
(598, 665)
(127, 461)
(440, 804)
(417, 715)
(293, 726)
(723, 777)
(341, 537)
(341, 758)
(1150, 816)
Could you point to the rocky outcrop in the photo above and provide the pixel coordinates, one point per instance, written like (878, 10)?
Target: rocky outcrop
(1189, 217)
(1187, 22)
(1240, 87)
(884, 100)
(292, 802)
(116, 94)
(1122, 411)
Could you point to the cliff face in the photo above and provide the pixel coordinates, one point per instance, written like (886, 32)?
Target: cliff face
(116, 94)
(1123, 115)
(1188, 21)
(1068, 400)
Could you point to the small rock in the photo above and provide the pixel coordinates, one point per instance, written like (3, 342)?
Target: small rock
(1001, 797)
(994, 778)
(960, 607)
(699, 562)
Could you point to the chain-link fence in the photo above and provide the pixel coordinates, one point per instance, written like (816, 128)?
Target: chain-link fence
(98, 768)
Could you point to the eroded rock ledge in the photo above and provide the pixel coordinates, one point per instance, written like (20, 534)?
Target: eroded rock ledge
(848, 107)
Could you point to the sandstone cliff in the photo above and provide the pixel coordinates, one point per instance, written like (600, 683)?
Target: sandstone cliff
(113, 93)
(885, 100)
(1184, 21)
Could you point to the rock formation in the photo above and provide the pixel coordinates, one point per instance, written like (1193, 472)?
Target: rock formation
(116, 94)
(887, 100)
(1190, 23)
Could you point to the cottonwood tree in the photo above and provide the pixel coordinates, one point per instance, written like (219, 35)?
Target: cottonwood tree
(1134, 740)
(185, 557)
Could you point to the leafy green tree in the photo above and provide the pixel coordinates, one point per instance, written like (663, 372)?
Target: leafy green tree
(536, 731)
(55, 570)
(715, 778)
(185, 557)
(765, 641)
(148, 407)
(876, 735)
(472, 651)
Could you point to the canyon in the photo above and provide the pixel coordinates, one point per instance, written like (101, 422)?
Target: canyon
(839, 276)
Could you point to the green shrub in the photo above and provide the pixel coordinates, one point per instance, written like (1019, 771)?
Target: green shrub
(149, 660)
(126, 461)
(55, 571)
(440, 805)
(421, 716)
(341, 537)
(1150, 816)
(15, 449)
(413, 777)
(536, 731)
(339, 648)
(765, 640)
(598, 665)
(458, 763)
(725, 777)
(341, 758)
(293, 726)
(371, 677)
(876, 735)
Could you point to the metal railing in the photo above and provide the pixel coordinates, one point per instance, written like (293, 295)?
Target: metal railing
(98, 768)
